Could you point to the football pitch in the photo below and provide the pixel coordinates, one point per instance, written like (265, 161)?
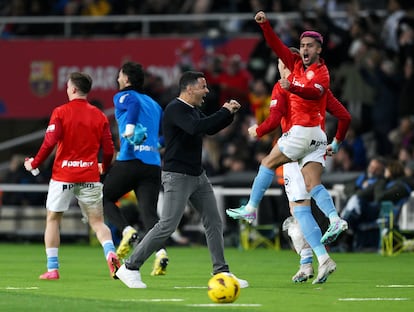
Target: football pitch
(362, 282)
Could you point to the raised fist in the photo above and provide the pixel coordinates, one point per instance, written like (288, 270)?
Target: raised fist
(260, 17)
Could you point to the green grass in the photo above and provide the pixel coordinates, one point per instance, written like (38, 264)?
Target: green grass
(85, 284)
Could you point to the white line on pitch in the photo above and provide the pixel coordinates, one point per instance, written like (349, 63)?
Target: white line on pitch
(225, 305)
(373, 299)
(395, 286)
(153, 300)
(190, 287)
(20, 288)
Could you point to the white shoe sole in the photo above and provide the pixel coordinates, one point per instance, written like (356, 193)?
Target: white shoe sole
(130, 278)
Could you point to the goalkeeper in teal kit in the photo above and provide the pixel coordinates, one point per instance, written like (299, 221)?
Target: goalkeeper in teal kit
(138, 163)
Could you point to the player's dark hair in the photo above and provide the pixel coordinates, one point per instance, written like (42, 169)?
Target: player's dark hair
(82, 82)
(189, 78)
(135, 73)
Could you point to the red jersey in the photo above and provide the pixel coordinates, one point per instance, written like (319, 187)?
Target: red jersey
(278, 108)
(280, 114)
(307, 86)
(79, 130)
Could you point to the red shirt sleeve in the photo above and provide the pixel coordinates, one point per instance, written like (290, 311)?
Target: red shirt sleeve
(107, 148)
(278, 47)
(278, 109)
(52, 136)
(336, 109)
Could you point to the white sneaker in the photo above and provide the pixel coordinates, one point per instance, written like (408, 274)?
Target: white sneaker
(305, 272)
(324, 270)
(243, 283)
(131, 278)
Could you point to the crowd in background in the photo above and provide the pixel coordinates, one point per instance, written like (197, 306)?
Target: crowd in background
(370, 58)
(161, 7)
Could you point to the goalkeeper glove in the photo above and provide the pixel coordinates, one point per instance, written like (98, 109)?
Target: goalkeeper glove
(335, 146)
(140, 135)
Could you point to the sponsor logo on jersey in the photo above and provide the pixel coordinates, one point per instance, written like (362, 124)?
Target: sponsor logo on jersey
(76, 164)
(144, 148)
(298, 83)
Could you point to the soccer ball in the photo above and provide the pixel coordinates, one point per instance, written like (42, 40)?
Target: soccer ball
(223, 288)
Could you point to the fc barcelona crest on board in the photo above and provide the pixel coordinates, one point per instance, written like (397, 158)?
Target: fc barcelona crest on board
(41, 77)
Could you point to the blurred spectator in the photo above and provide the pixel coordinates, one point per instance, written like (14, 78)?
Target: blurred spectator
(262, 63)
(259, 99)
(389, 34)
(360, 193)
(403, 135)
(234, 82)
(159, 7)
(395, 187)
(406, 56)
(373, 172)
(409, 169)
(127, 7)
(253, 7)
(16, 8)
(212, 66)
(356, 94)
(96, 7)
(337, 36)
(353, 140)
(185, 56)
(343, 160)
(154, 86)
(365, 79)
(405, 154)
(406, 107)
(195, 7)
(211, 154)
(381, 75)
(39, 8)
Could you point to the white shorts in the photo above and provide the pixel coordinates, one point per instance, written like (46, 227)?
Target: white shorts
(61, 194)
(304, 144)
(294, 182)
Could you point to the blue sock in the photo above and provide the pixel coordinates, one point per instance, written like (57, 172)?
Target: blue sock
(324, 201)
(108, 246)
(310, 229)
(52, 263)
(261, 183)
(306, 256)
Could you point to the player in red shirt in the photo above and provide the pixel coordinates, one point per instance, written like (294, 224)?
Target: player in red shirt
(305, 236)
(79, 130)
(305, 141)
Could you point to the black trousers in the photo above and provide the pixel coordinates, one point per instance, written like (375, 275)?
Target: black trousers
(125, 176)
